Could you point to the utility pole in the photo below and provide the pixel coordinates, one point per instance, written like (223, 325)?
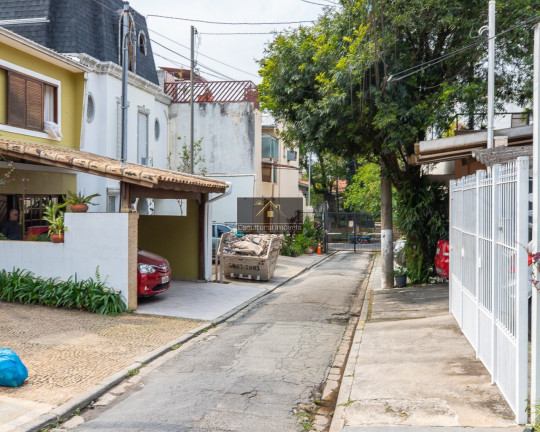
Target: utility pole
(191, 101)
(491, 73)
(535, 307)
(125, 66)
(309, 183)
(387, 254)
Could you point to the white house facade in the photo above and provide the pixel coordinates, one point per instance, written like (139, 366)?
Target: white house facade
(147, 131)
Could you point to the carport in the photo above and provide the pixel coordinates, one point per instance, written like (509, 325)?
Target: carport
(180, 239)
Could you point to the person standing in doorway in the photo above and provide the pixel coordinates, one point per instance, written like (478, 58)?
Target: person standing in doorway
(12, 229)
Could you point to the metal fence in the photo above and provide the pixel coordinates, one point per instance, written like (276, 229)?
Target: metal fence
(489, 282)
(354, 231)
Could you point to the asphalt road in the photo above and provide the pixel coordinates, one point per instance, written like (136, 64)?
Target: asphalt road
(251, 372)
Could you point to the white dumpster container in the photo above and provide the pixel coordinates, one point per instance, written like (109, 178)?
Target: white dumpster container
(250, 267)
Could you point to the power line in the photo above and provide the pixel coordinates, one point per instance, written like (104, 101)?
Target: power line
(318, 4)
(219, 74)
(229, 23)
(187, 58)
(425, 65)
(184, 66)
(239, 33)
(204, 55)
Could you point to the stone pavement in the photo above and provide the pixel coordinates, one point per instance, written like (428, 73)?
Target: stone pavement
(74, 356)
(410, 369)
(67, 352)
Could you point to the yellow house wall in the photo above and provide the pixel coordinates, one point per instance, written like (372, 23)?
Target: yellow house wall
(71, 102)
(175, 238)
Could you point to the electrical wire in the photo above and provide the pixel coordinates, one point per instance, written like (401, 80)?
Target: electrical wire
(418, 68)
(219, 74)
(229, 23)
(187, 58)
(318, 4)
(203, 55)
(240, 33)
(184, 66)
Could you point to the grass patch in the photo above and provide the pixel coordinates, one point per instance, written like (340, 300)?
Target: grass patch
(133, 372)
(346, 404)
(306, 415)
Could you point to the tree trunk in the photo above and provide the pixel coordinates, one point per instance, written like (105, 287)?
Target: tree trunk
(386, 234)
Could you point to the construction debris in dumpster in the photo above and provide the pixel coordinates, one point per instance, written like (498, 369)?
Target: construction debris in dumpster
(249, 245)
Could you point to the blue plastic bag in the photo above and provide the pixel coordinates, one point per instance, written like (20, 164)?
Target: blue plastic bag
(12, 370)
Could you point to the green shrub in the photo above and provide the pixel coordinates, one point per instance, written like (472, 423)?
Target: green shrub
(296, 244)
(21, 286)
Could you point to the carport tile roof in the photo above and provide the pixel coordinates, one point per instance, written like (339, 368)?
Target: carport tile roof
(107, 167)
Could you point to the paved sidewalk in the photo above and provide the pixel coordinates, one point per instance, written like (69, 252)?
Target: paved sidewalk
(410, 369)
(73, 356)
(211, 301)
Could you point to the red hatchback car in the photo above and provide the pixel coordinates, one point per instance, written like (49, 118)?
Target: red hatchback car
(442, 259)
(153, 271)
(153, 274)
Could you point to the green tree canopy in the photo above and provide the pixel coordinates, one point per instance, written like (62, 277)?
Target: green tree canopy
(364, 191)
(350, 84)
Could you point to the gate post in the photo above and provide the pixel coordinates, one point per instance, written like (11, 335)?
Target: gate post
(522, 285)
(477, 262)
(535, 309)
(495, 212)
(354, 230)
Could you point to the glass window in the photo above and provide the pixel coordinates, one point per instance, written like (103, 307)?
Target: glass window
(90, 109)
(156, 129)
(267, 174)
(142, 138)
(269, 147)
(113, 195)
(30, 102)
(291, 155)
(142, 43)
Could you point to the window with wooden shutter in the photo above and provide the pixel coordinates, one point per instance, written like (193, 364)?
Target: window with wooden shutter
(26, 99)
(16, 100)
(34, 105)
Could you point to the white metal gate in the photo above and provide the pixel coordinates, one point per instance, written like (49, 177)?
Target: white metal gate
(489, 281)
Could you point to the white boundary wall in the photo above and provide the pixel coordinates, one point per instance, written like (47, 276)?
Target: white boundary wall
(489, 281)
(92, 240)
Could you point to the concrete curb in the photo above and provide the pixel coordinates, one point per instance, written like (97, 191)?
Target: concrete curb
(332, 386)
(346, 385)
(435, 429)
(82, 400)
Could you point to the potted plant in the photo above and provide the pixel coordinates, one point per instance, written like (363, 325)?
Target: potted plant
(79, 202)
(400, 275)
(55, 217)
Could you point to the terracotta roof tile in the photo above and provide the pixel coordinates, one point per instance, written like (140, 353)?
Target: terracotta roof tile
(107, 167)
